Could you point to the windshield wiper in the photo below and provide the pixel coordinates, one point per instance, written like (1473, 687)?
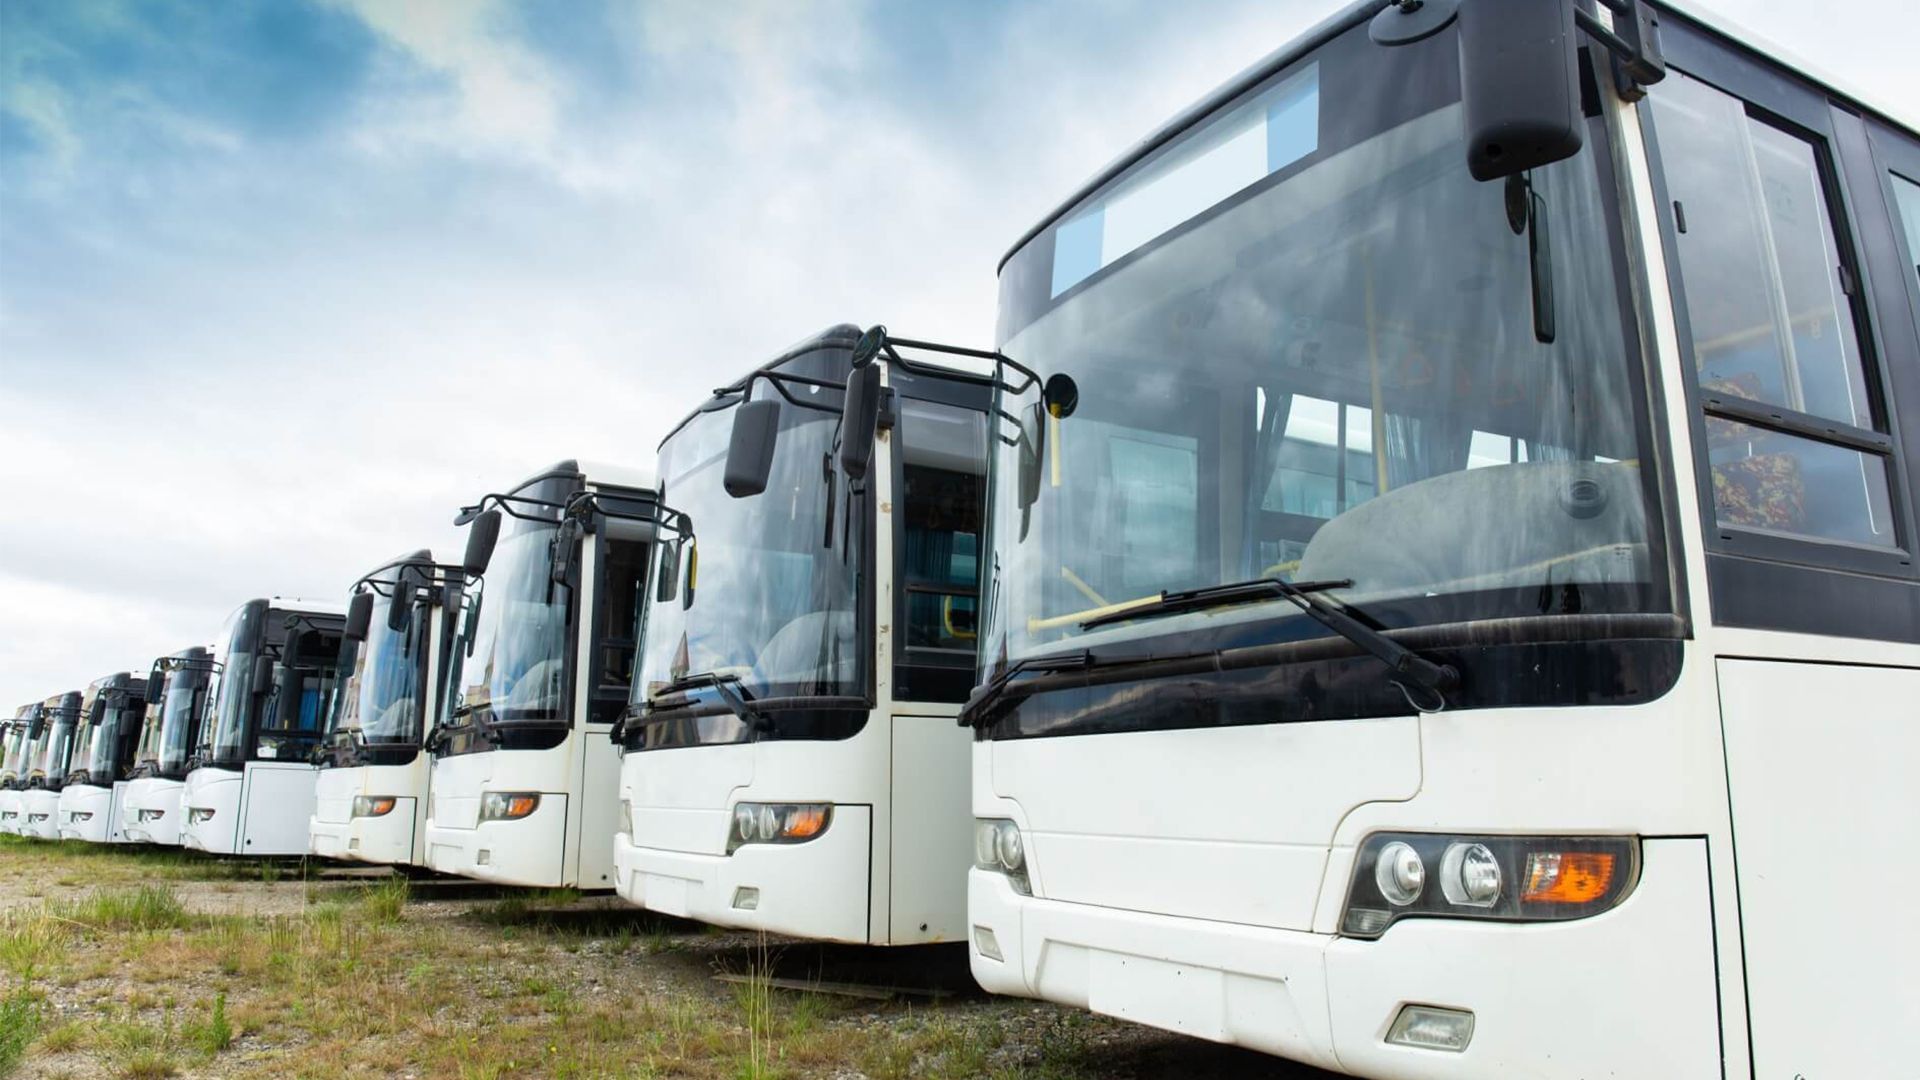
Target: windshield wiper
(1406, 667)
(728, 689)
(980, 707)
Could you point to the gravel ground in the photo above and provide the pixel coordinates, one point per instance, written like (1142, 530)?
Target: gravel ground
(593, 958)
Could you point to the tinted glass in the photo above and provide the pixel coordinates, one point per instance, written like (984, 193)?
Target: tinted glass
(1770, 321)
(943, 469)
(1328, 372)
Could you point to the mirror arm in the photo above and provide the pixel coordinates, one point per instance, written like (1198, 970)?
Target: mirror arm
(1634, 41)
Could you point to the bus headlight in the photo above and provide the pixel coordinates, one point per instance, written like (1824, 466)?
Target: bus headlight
(508, 805)
(997, 847)
(1502, 878)
(373, 805)
(777, 823)
(1400, 873)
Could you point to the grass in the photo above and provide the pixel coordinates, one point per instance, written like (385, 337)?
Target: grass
(19, 1024)
(145, 970)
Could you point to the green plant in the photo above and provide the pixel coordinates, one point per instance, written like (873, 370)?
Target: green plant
(19, 1023)
(214, 1034)
(384, 902)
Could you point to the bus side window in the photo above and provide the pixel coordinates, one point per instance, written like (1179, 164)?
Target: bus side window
(1796, 443)
(942, 511)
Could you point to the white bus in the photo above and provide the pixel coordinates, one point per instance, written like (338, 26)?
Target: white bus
(370, 801)
(1454, 627)
(524, 777)
(48, 756)
(791, 762)
(250, 786)
(16, 735)
(176, 704)
(95, 794)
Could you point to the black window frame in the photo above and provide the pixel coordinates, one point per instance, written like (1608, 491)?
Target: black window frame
(1764, 580)
(924, 673)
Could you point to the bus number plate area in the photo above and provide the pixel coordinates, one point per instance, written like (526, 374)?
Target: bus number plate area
(1176, 997)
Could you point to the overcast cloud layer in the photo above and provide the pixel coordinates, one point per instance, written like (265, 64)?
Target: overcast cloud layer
(283, 283)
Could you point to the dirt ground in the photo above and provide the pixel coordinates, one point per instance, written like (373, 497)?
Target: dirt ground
(151, 964)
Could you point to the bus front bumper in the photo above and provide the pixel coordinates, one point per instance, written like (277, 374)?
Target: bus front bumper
(86, 813)
(386, 839)
(39, 814)
(818, 889)
(528, 851)
(210, 811)
(1631, 992)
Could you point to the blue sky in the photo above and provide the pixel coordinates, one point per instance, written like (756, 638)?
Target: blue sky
(282, 283)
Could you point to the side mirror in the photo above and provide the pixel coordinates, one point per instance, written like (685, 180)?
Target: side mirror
(262, 675)
(859, 418)
(156, 685)
(1033, 453)
(400, 604)
(482, 534)
(756, 424)
(666, 581)
(1519, 85)
(565, 551)
(96, 710)
(693, 575)
(359, 617)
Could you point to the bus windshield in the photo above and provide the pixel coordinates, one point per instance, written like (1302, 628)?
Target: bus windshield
(230, 698)
(510, 663)
(382, 701)
(1305, 348)
(63, 715)
(168, 741)
(16, 746)
(107, 745)
(766, 595)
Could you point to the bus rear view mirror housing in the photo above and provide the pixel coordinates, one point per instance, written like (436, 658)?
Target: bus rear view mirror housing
(1520, 70)
(756, 424)
(400, 604)
(860, 418)
(482, 535)
(262, 675)
(666, 584)
(359, 617)
(156, 684)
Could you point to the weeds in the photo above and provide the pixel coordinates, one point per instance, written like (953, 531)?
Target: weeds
(147, 907)
(214, 1034)
(384, 902)
(19, 1023)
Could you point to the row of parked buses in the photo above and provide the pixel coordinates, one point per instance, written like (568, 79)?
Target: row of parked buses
(1425, 586)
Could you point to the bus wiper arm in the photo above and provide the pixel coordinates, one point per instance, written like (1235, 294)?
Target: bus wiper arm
(981, 707)
(1406, 667)
(729, 690)
(1213, 596)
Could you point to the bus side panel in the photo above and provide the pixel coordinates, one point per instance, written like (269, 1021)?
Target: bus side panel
(1820, 771)
(599, 807)
(932, 833)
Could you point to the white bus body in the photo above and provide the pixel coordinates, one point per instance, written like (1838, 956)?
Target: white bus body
(1666, 545)
(834, 805)
(93, 799)
(523, 775)
(370, 801)
(252, 790)
(49, 759)
(151, 812)
(15, 737)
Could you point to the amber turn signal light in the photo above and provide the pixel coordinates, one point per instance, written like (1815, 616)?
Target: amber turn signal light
(1567, 877)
